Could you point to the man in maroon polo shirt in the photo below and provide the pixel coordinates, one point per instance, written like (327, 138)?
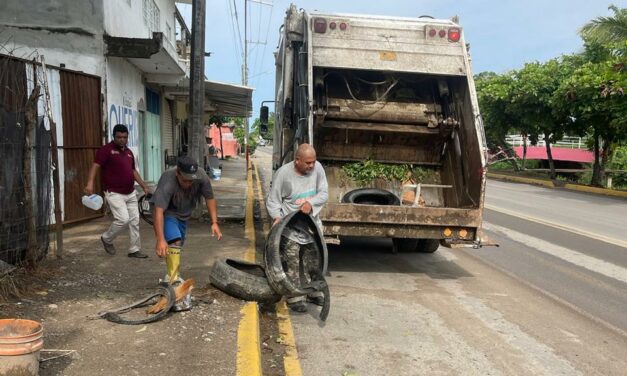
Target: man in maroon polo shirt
(116, 163)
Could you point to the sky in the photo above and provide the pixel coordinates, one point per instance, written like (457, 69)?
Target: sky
(503, 34)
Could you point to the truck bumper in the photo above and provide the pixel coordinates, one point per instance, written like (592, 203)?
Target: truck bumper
(452, 224)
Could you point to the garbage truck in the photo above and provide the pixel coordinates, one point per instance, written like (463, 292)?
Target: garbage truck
(389, 104)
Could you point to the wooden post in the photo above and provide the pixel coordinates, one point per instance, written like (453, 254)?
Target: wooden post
(31, 223)
(55, 165)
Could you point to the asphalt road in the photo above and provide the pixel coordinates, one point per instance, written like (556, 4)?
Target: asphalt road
(546, 302)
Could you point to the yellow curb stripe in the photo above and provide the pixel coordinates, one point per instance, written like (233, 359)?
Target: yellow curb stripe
(291, 363)
(248, 223)
(262, 203)
(248, 353)
(248, 348)
(597, 190)
(569, 186)
(519, 179)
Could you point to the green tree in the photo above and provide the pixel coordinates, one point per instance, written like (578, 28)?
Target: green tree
(594, 95)
(533, 101)
(494, 92)
(608, 30)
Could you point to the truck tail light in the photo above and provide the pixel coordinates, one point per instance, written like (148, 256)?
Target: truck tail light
(442, 33)
(332, 25)
(432, 33)
(454, 34)
(320, 25)
(343, 26)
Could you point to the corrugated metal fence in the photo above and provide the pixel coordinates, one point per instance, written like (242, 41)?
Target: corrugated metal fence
(26, 191)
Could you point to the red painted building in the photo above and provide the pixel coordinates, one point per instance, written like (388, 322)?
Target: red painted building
(223, 140)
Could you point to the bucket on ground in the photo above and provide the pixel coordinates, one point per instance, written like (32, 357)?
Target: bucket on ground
(20, 342)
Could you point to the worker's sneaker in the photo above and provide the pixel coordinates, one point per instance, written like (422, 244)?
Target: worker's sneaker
(108, 247)
(317, 300)
(299, 306)
(138, 254)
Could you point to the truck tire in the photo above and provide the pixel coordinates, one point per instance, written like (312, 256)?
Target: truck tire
(371, 196)
(427, 245)
(401, 245)
(243, 280)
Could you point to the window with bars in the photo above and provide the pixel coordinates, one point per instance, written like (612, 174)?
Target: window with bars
(152, 15)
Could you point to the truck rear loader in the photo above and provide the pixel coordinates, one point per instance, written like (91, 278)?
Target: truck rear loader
(389, 104)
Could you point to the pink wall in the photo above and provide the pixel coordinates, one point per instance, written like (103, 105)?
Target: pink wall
(229, 142)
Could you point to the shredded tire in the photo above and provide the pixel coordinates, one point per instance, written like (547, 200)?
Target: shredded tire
(145, 208)
(242, 280)
(114, 315)
(277, 277)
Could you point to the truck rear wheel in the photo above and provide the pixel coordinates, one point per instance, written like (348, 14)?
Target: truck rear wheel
(414, 245)
(404, 245)
(427, 245)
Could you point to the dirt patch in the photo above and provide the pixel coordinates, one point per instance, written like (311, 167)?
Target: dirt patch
(63, 294)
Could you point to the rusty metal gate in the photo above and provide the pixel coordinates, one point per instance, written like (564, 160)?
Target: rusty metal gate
(82, 136)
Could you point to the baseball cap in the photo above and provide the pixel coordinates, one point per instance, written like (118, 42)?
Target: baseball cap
(188, 168)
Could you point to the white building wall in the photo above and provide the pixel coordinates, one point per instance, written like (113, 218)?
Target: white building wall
(140, 18)
(67, 32)
(125, 90)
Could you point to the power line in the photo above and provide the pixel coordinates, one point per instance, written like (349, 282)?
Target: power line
(263, 53)
(238, 48)
(237, 22)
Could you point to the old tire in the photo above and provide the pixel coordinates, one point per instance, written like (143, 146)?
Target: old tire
(427, 245)
(145, 208)
(371, 196)
(242, 280)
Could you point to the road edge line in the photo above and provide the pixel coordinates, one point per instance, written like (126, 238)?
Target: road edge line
(248, 360)
(573, 230)
(291, 361)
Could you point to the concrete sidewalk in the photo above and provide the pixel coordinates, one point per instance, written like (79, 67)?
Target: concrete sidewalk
(231, 190)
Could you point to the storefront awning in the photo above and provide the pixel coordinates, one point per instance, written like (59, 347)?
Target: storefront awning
(221, 99)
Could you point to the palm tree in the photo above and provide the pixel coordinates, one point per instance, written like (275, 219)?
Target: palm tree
(608, 30)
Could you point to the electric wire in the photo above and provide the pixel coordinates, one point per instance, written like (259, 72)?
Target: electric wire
(237, 47)
(265, 44)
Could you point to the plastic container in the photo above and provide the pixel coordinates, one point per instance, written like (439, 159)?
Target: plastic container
(217, 173)
(93, 202)
(20, 342)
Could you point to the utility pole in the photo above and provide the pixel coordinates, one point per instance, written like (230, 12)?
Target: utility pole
(246, 78)
(197, 83)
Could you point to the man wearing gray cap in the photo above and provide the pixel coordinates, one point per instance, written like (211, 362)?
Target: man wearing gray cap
(176, 196)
